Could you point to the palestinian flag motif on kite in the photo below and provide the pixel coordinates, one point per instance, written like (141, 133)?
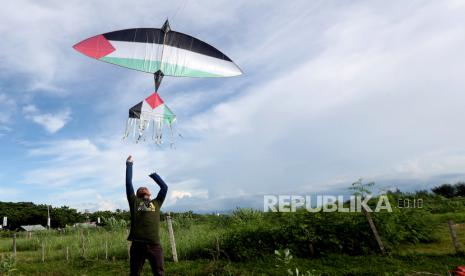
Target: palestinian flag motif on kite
(151, 50)
(161, 52)
(151, 112)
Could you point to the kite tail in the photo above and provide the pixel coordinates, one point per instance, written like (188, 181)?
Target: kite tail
(136, 129)
(142, 126)
(129, 128)
(158, 128)
(173, 133)
(172, 145)
(126, 129)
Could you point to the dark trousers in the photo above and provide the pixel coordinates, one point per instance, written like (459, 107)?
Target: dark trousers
(141, 251)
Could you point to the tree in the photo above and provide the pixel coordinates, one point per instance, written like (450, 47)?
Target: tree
(460, 189)
(445, 190)
(364, 189)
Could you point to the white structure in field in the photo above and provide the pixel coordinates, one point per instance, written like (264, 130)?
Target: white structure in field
(32, 228)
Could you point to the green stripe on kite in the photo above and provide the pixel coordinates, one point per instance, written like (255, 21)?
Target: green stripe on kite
(169, 115)
(153, 66)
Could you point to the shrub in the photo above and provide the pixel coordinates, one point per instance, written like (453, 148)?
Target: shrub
(250, 241)
(311, 234)
(7, 265)
(246, 215)
(113, 223)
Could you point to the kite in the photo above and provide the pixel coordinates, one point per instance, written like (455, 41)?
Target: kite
(151, 110)
(161, 52)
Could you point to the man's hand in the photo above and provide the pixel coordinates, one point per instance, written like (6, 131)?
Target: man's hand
(129, 160)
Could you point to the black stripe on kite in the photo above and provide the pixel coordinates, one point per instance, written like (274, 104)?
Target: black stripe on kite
(135, 111)
(174, 39)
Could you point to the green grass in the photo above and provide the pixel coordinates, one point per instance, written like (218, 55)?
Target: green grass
(196, 247)
(92, 244)
(442, 246)
(328, 265)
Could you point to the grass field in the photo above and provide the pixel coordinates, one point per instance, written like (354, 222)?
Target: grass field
(105, 252)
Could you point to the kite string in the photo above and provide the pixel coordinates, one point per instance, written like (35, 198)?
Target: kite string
(181, 6)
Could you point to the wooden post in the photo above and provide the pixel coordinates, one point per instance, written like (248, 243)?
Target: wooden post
(453, 235)
(311, 248)
(82, 242)
(129, 245)
(374, 230)
(43, 251)
(106, 248)
(14, 245)
(172, 240)
(67, 253)
(217, 248)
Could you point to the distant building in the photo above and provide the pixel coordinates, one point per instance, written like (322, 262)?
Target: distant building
(33, 228)
(86, 225)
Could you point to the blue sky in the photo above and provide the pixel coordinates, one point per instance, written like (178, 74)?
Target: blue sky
(332, 91)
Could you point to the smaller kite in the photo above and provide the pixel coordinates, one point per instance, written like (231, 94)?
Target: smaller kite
(151, 112)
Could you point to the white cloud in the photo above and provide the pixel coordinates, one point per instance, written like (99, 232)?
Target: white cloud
(51, 122)
(30, 108)
(330, 93)
(7, 108)
(187, 189)
(4, 130)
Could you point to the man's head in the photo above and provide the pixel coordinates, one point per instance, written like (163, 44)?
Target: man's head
(143, 193)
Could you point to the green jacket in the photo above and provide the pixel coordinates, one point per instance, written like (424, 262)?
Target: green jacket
(145, 215)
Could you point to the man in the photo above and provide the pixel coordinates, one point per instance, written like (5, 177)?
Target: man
(145, 224)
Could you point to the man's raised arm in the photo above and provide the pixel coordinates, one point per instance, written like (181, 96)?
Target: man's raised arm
(163, 188)
(129, 187)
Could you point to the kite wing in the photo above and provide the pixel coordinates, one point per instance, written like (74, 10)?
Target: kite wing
(151, 111)
(151, 50)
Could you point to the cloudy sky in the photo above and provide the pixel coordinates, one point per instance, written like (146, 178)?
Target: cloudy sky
(332, 91)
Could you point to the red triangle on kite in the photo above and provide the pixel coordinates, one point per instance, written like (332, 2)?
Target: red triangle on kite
(95, 47)
(154, 100)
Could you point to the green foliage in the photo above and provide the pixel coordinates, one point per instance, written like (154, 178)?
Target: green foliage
(246, 215)
(284, 262)
(28, 213)
(112, 223)
(446, 190)
(183, 220)
(460, 189)
(244, 242)
(359, 188)
(7, 265)
(283, 258)
(318, 234)
(405, 226)
(432, 203)
(450, 191)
